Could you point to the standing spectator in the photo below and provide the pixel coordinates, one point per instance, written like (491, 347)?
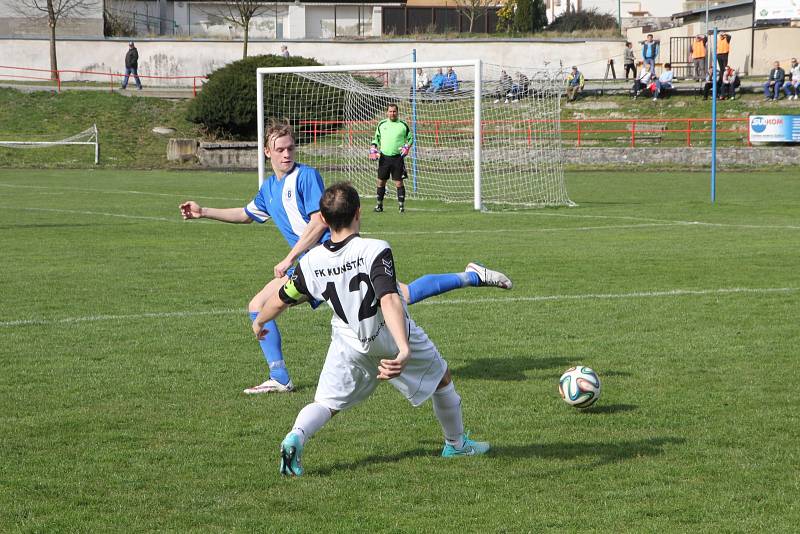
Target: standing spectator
(450, 81)
(132, 67)
(709, 83)
(664, 82)
(793, 85)
(650, 52)
(505, 85)
(630, 60)
(437, 83)
(390, 146)
(285, 51)
(699, 56)
(772, 87)
(641, 83)
(730, 81)
(423, 82)
(723, 49)
(575, 83)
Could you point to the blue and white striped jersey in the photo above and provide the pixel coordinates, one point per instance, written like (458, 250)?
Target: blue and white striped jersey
(289, 202)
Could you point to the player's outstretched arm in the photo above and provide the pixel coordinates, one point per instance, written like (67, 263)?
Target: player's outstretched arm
(314, 230)
(193, 210)
(272, 308)
(395, 318)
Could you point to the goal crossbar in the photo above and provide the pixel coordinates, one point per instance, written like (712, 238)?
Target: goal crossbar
(89, 136)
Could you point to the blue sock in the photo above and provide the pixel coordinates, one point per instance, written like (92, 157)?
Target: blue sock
(431, 285)
(271, 347)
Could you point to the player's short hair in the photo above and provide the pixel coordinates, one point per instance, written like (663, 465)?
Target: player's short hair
(392, 106)
(276, 129)
(339, 204)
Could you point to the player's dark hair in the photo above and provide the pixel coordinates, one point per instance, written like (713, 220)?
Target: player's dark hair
(392, 106)
(339, 204)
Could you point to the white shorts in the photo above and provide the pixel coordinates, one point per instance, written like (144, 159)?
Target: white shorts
(349, 377)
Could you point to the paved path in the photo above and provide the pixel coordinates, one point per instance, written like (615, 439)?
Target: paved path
(152, 92)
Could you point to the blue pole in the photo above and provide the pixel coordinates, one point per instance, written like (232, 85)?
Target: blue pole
(714, 121)
(414, 120)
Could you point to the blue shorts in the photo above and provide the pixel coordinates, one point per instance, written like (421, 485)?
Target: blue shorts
(314, 303)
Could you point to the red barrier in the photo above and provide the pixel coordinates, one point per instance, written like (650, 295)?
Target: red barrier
(111, 76)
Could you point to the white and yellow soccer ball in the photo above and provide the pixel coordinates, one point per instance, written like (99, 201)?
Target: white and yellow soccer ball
(579, 386)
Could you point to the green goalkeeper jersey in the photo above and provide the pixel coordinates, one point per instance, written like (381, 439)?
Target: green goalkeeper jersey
(390, 136)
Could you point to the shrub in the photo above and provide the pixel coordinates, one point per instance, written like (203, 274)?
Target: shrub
(583, 20)
(227, 104)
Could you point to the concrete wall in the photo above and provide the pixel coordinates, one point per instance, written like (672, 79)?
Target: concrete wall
(189, 58)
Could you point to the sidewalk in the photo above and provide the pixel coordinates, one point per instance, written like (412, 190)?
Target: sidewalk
(151, 92)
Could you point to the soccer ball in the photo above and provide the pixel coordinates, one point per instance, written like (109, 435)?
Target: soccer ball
(579, 386)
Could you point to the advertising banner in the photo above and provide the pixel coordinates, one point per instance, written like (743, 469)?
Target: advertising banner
(777, 9)
(775, 128)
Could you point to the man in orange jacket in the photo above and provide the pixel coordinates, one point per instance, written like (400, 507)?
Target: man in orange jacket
(723, 49)
(699, 56)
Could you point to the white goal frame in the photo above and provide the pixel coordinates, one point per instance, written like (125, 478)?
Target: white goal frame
(94, 139)
(475, 64)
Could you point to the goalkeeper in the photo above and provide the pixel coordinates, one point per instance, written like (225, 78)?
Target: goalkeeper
(390, 146)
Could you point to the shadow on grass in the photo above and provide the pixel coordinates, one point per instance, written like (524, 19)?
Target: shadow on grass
(514, 369)
(604, 452)
(609, 408)
(377, 459)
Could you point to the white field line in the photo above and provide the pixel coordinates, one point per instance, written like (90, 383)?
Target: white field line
(116, 192)
(524, 230)
(434, 302)
(99, 213)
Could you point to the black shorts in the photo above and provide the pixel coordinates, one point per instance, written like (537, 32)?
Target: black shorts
(393, 166)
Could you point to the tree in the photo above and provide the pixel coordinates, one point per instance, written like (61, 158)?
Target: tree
(530, 16)
(241, 12)
(539, 15)
(473, 9)
(505, 16)
(53, 11)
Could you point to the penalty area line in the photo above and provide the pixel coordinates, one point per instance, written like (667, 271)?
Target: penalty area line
(433, 302)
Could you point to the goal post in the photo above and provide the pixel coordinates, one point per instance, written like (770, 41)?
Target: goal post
(489, 139)
(86, 137)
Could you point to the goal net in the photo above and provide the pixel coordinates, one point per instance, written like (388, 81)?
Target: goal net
(491, 138)
(86, 137)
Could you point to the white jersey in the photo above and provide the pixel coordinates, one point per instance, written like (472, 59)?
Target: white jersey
(351, 277)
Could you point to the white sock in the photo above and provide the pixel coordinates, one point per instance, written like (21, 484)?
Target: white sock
(447, 407)
(309, 420)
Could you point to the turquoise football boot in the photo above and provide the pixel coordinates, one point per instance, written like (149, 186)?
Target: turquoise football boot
(291, 451)
(470, 448)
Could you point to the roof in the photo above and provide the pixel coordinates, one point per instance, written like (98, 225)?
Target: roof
(727, 5)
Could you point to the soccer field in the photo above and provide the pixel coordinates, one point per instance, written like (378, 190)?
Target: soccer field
(124, 347)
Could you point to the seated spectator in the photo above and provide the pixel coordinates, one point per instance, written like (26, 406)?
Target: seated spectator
(504, 89)
(664, 82)
(709, 83)
(450, 81)
(730, 81)
(575, 83)
(643, 81)
(772, 87)
(423, 82)
(437, 83)
(523, 85)
(792, 85)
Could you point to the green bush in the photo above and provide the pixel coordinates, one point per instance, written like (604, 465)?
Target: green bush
(583, 20)
(227, 104)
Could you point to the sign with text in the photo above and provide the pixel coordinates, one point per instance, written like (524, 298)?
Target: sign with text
(777, 9)
(775, 128)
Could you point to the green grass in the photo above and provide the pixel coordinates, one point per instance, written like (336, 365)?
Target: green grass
(124, 348)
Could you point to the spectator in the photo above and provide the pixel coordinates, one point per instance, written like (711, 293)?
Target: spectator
(793, 85)
(664, 82)
(630, 60)
(132, 67)
(650, 52)
(423, 82)
(723, 49)
(285, 51)
(641, 83)
(437, 83)
(699, 56)
(504, 87)
(730, 81)
(523, 85)
(709, 83)
(575, 83)
(450, 81)
(772, 87)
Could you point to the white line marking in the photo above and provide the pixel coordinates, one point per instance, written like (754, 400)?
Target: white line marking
(115, 191)
(103, 214)
(434, 302)
(524, 230)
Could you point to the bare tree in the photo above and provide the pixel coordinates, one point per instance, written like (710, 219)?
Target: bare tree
(474, 9)
(53, 11)
(241, 12)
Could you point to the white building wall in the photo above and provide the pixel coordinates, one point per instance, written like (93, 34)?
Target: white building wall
(656, 8)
